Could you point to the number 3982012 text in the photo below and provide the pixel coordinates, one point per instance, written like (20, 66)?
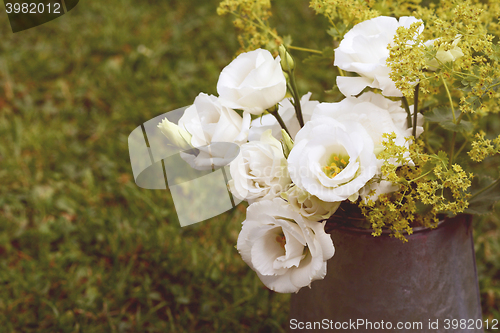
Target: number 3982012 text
(33, 8)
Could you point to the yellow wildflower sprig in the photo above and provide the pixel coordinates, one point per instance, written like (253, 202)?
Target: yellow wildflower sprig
(474, 76)
(482, 148)
(251, 20)
(343, 14)
(428, 188)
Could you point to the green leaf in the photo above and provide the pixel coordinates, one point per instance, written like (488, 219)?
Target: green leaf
(429, 166)
(333, 32)
(287, 40)
(440, 115)
(443, 157)
(485, 193)
(496, 53)
(444, 117)
(464, 126)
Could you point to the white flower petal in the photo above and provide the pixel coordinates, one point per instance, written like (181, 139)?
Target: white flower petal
(286, 268)
(252, 82)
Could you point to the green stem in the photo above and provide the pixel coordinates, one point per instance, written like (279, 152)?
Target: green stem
(496, 182)
(296, 100)
(303, 49)
(453, 138)
(449, 98)
(455, 121)
(408, 112)
(461, 148)
(425, 174)
(494, 85)
(415, 111)
(452, 150)
(265, 27)
(280, 121)
(261, 24)
(334, 26)
(426, 138)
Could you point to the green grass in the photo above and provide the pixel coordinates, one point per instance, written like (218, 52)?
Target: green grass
(82, 248)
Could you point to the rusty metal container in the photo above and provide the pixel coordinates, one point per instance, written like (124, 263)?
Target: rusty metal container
(431, 280)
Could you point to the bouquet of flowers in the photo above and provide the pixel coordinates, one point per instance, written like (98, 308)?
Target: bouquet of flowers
(398, 151)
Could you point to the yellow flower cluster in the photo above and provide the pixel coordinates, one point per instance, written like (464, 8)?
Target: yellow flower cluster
(343, 14)
(475, 74)
(407, 60)
(426, 189)
(482, 148)
(251, 21)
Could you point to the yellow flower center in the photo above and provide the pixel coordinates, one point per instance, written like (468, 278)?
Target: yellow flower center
(335, 164)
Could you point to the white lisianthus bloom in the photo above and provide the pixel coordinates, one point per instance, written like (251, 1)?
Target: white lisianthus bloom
(287, 113)
(286, 250)
(445, 53)
(377, 114)
(212, 156)
(308, 205)
(252, 82)
(364, 51)
(259, 172)
(332, 160)
(209, 122)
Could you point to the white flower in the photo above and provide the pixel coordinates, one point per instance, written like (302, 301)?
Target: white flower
(377, 114)
(287, 113)
(209, 122)
(286, 250)
(445, 53)
(212, 156)
(252, 82)
(364, 51)
(308, 205)
(259, 172)
(332, 160)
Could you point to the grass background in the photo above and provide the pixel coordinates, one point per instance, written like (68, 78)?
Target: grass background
(82, 248)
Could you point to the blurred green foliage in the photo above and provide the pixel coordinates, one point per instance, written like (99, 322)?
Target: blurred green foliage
(82, 248)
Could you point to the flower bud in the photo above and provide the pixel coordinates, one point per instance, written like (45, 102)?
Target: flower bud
(176, 135)
(287, 143)
(287, 63)
(445, 53)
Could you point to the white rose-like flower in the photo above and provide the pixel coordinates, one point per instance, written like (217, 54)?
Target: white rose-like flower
(443, 55)
(377, 114)
(209, 122)
(286, 250)
(252, 82)
(332, 160)
(308, 205)
(287, 113)
(259, 172)
(364, 51)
